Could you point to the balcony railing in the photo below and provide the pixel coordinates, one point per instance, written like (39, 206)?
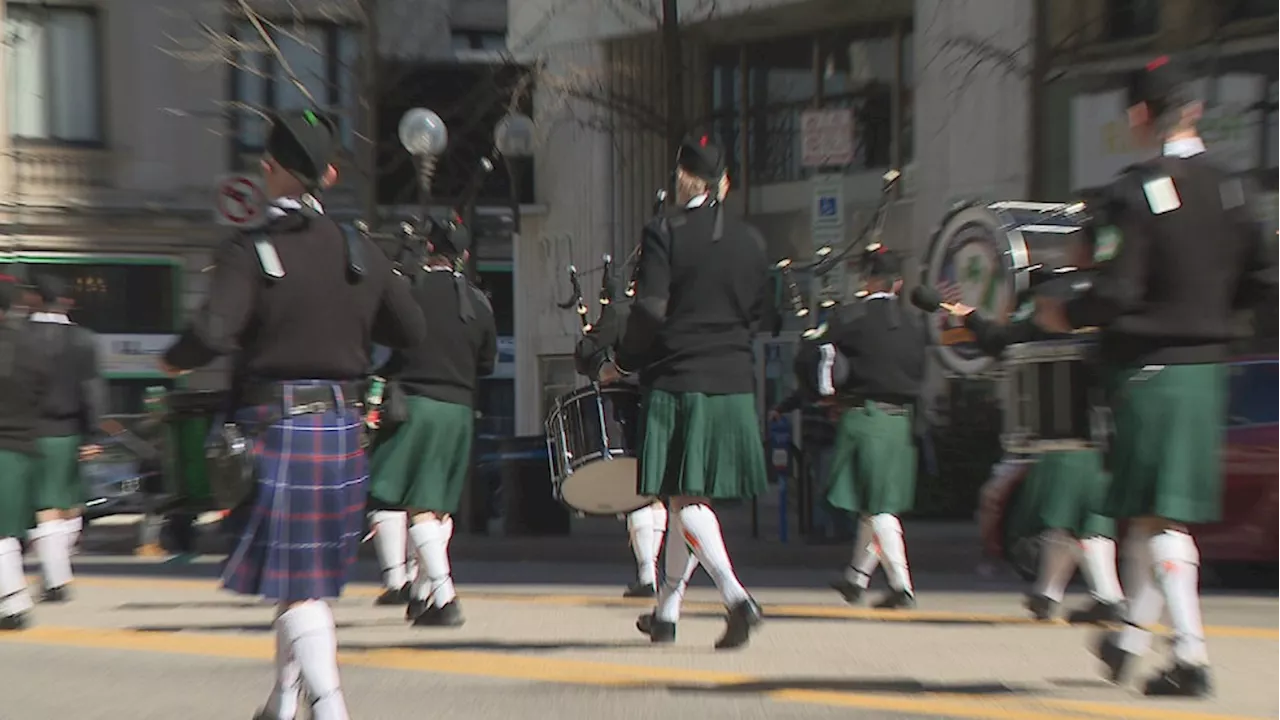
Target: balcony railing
(57, 171)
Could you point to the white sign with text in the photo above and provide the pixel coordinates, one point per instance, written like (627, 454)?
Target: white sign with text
(826, 137)
(132, 356)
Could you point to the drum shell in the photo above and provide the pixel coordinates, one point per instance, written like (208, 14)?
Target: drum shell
(1049, 398)
(983, 256)
(587, 430)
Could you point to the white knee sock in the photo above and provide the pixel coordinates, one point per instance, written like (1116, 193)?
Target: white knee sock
(432, 540)
(1057, 563)
(893, 550)
(866, 556)
(390, 540)
(14, 598)
(1145, 601)
(1177, 573)
(702, 531)
(73, 527)
(309, 631)
(680, 564)
(640, 527)
(1099, 563)
(659, 529)
(283, 701)
(50, 541)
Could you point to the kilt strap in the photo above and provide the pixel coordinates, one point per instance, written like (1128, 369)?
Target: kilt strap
(295, 400)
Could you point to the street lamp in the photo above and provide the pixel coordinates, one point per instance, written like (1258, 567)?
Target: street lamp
(423, 134)
(513, 137)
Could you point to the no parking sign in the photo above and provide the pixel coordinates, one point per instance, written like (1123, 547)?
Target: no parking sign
(240, 201)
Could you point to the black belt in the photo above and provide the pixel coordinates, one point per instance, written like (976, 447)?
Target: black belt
(304, 399)
(888, 408)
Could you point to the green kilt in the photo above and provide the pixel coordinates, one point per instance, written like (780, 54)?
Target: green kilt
(422, 465)
(1166, 455)
(873, 464)
(55, 474)
(697, 445)
(17, 516)
(1064, 490)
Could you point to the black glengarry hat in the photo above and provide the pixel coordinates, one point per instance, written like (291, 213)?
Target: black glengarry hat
(1161, 84)
(447, 234)
(51, 289)
(302, 141)
(701, 158)
(880, 261)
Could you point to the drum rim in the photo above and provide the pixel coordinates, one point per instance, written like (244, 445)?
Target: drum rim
(572, 395)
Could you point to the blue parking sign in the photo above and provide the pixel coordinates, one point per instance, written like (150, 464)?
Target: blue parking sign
(827, 206)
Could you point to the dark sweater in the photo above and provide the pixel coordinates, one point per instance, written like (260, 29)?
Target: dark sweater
(1168, 295)
(24, 380)
(885, 344)
(316, 323)
(445, 366)
(75, 397)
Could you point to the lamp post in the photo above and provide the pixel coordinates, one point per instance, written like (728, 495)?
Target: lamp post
(513, 137)
(423, 135)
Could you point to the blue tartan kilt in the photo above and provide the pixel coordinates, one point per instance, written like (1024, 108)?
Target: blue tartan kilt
(300, 533)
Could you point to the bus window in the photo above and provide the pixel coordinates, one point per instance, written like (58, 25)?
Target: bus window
(119, 298)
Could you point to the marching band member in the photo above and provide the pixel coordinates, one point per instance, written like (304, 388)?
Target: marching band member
(300, 303)
(873, 467)
(421, 464)
(1066, 486)
(700, 289)
(69, 417)
(1190, 251)
(24, 378)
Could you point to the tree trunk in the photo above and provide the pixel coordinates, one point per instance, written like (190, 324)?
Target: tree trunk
(673, 63)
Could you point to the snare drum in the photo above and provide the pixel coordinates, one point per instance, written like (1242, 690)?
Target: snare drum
(1050, 400)
(593, 438)
(983, 256)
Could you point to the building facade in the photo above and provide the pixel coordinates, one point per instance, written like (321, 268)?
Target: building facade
(120, 117)
(751, 70)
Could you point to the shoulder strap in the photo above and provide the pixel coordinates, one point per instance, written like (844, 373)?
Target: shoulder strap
(355, 253)
(268, 258)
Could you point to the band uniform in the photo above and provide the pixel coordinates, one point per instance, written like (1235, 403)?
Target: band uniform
(300, 303)
(24, 379)
(421, 464)
(700, 292)
(1063, 492)
(872, 473)
(70, 415)
(1189, 253)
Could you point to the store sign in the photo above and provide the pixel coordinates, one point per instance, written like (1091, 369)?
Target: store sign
(132, 356)
(1101, 144)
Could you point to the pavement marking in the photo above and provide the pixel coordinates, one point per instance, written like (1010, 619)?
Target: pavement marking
(362, 590)
(581, 672)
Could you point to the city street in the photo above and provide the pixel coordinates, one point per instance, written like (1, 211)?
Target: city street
(144, 639)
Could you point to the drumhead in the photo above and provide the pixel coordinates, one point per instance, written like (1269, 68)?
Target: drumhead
(981, 256)
(604, 487)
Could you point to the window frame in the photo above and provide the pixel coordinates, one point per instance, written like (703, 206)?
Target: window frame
(333, 32)
(94, 14)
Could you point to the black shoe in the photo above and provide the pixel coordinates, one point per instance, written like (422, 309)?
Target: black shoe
(448, 616)
(1181, 681)
(659, 631)
(59, 594)
(393, 597)
(897, 600)
(416, 608)
(1040, 607)
(852, 593)
(14, 622)
(1117, 661)
(743, 618)
(640, 590)
(1098, 613)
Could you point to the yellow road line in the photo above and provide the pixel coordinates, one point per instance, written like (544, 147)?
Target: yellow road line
(580, 672)
(793, 610)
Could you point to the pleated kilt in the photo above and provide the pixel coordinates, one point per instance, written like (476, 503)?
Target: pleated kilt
(1065, 489)
(698, 445)
(300, 532)
(1166, 454)
(55, 474)
(873, 464)
(423, 463)
(17, 515)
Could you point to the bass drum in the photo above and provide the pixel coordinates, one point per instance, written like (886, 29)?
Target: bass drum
(983, 256)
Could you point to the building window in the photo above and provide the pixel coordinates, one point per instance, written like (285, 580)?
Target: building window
(1238, 10)
(783, 85)
(54, 87)
(556, 376)
(322, 56)
(479, 40)
(1131, 19)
